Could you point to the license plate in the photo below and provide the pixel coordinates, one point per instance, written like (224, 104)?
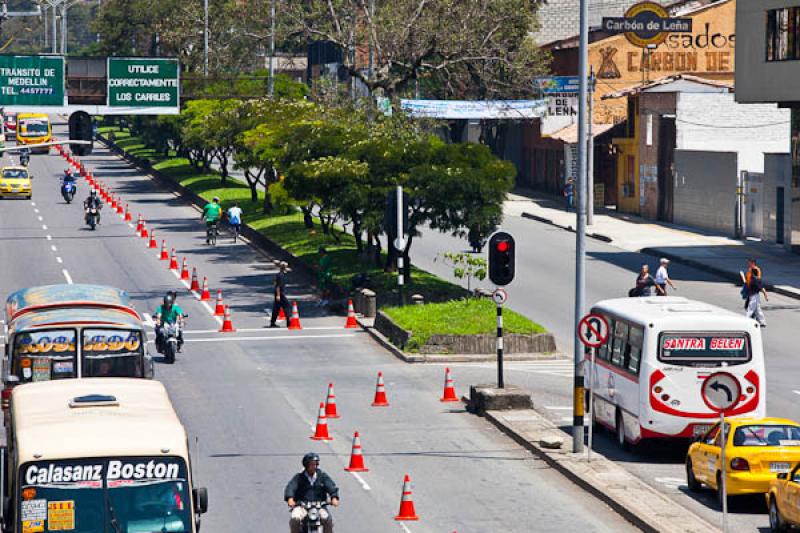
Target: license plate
(780, 467)
(700, 429)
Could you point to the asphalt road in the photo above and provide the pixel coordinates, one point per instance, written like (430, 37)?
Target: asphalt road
(543, 290)
(251, 398)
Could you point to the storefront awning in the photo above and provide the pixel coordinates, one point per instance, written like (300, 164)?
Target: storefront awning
(569, 135)
(475, 109)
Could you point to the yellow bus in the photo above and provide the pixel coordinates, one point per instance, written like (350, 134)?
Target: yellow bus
(97, 455)
(34, 128)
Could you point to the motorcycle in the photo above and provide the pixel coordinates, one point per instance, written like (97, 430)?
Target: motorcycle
(24, 159)
(314, 514)
(68, 190)
(167, 342)
(92, 217)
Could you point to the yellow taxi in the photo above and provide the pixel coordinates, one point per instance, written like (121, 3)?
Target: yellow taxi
(783, 500)
(756, 450)
(15, 182)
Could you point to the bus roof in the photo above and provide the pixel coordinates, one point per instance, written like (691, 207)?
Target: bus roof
(78, 295)
(71, 317)
(673, 311)
(142, 421)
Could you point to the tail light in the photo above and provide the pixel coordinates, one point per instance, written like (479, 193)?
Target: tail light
(738, 463)
(5, 398)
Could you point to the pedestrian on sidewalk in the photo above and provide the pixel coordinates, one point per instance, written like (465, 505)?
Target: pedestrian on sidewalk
(644, 283)
(569, 193)
(752, 291)
(663, 279)
(279, 299)
(324, 276)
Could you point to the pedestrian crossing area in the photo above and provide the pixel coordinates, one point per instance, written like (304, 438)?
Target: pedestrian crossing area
(552, 367)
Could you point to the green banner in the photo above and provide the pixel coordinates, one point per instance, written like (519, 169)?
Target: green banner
(31, 81)
(139, 82)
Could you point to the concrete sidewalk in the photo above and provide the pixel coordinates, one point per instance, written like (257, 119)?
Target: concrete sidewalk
(718, 254)
(622, 491)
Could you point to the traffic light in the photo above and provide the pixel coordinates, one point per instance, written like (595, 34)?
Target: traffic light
(80, 128)
(501, 258)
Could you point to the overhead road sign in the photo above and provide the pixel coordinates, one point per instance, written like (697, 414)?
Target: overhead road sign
(593, 330)
(143, 82)
(646, 23)
(721, 391)
(31, 81)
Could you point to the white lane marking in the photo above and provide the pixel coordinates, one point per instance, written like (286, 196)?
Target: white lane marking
(130, 224)
(211, 312)
(361, 480)
(796, 391)
(263, 330)
(148, 320)
(277, 337)
(53, 247)
(44, 227)
(35, 210)
(40, 217)
(33, 204)
(404, 527)
(49, 237)
(59, 260)
(67, 276)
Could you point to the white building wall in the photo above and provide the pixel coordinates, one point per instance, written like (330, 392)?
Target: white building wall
(715, 122)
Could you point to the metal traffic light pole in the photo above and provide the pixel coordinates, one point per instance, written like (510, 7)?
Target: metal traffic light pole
(580, 230)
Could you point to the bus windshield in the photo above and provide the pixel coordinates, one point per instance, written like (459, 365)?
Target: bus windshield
(33, 128)
(130, 494)
(112, 353)
(704, 347)
(43, 355)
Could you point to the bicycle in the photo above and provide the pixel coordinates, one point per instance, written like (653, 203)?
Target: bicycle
(235, 229)
(211, 233)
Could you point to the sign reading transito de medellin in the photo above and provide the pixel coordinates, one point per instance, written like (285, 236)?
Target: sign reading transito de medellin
(143, 82)
(646, 23)
(31, 80)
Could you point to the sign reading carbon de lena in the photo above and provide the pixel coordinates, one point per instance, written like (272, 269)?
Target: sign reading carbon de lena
(646, 23)
(143, 82)
(31, 80)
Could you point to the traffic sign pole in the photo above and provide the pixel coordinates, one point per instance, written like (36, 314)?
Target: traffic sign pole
(500, 382)
(592, 377)
(593, 332)
(400, 244)
(723, 486)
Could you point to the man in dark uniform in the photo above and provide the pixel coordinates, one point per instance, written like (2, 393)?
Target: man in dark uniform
(310, 485)
(279, 296)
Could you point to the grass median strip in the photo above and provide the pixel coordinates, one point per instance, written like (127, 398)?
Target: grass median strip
(467, 316)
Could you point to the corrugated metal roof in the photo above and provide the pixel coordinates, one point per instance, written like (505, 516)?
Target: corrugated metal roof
(666, 80)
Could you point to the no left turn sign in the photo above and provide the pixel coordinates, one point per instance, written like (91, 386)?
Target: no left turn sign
(593, 330)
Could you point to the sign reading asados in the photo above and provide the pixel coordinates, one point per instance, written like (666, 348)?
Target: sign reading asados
(31, 80)
(143, 82)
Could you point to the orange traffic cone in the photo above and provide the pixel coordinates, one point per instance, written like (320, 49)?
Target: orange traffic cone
(139, 224)
(321, 432)
(407, 511)
(205, 295)
(227, 324)
(195, 286)
(294, 322)
(351, 316)
(356, 458)
(184, 269)
(219, 310)
(114, 203)
(380, 393)
(281, 314)
(449, 389)
(144, 230)
(173, 261)
(153, 243)
(120, 210)
(330, 403)
(164, 254)
(128, 217)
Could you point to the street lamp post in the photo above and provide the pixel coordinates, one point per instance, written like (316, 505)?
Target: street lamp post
(205, 38)
(271, 88)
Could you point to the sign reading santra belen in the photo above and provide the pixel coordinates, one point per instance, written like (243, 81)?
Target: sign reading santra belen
(31, 80)
(143, 82)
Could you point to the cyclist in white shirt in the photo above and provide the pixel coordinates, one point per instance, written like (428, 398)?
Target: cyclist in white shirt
(235, 219)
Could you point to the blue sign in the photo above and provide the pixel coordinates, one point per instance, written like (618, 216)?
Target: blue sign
(557, 84)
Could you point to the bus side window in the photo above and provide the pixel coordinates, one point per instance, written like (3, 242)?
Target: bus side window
(635, 342)
(604, 351)
(620, 344)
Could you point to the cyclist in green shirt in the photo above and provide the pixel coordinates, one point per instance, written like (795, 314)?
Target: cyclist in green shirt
(168, 313)
(212, 212)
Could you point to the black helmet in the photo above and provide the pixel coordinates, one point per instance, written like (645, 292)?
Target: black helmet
(93, 193)
(309, 457)
(169, 299)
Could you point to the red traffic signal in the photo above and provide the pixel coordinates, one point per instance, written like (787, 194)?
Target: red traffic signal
(502, 246)
(501, 258)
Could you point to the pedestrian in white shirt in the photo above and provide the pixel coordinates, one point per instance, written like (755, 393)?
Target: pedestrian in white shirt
(662, 277)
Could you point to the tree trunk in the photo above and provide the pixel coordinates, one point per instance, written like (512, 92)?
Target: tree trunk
(358, 238)
(376, 250)
(267, 208)
(407, 260)
(308, 220)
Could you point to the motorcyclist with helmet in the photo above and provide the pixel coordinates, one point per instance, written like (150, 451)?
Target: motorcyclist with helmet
(310, 485)
(24, 156)
(92, 201)
(169, 312)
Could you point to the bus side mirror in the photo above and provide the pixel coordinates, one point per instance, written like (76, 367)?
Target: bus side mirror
(10, 380)
(783, 475)
(149, 366)
(200, 496)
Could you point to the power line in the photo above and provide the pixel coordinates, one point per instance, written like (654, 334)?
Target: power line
(714, 126)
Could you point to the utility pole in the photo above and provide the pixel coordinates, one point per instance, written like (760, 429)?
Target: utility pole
(580, 233)
(371, 44)
(590, 156)
(271, 88)
(205, 38)
(64, 29)
(55, 28)
(44, 28)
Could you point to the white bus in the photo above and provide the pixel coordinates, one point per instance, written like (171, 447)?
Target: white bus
(647, 378)
(97, 455)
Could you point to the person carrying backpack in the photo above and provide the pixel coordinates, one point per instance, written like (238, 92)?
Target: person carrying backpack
(752, 290)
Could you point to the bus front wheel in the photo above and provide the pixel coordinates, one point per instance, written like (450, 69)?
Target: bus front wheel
(620, 431)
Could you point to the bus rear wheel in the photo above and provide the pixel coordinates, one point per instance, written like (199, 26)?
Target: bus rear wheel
(620, 432)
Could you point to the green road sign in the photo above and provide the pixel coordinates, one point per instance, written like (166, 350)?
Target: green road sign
(31, 81)
(140, 82)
